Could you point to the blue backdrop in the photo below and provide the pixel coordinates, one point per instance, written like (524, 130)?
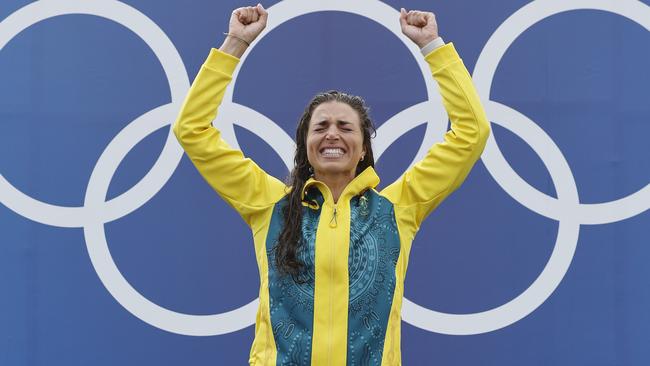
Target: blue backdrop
(552, 272)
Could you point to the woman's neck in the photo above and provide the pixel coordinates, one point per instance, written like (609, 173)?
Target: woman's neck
(335, 182)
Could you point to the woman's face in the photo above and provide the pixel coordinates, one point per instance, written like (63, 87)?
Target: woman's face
(334, 139)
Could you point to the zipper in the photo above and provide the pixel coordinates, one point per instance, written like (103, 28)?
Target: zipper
(333, 224)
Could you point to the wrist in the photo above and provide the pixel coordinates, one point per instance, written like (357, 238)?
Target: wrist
(426, 41)
(233, 46)
(438, 42)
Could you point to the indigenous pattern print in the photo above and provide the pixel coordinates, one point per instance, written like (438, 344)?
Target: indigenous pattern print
(374, 250)
(292, 303)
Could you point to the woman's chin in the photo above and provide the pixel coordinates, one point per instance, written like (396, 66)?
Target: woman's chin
(334, 168)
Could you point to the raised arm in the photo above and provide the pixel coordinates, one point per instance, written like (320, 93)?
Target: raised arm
(424, 186)
(241, 182)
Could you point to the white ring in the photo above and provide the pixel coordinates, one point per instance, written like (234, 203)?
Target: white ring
(112, 278)
(566, 208)
(174, 68)
(558, 263)
(489, 59)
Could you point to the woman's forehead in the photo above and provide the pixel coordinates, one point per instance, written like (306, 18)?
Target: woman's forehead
(335, 110)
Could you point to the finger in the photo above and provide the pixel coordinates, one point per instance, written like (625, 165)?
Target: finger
(241, 15)
(415, 17)
(262, 12)
(402, 17)
(411, 17)
(419, 19)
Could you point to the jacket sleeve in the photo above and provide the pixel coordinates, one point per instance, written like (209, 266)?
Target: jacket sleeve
(238, 180)
(446, 165)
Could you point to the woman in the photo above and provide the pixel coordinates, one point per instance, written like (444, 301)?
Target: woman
(332, 251)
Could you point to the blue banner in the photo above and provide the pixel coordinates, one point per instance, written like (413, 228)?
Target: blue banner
(115, 251)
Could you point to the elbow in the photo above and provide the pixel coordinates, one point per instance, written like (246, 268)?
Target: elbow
(179, 131)
(484, 130)
(487, 130)
(175, 130)
(482, 133)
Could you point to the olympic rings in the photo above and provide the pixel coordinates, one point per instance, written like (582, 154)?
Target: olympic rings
(96, 212)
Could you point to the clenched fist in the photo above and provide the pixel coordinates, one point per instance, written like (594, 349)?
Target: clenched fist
(245, 25)
(248, 22)
(419, 26)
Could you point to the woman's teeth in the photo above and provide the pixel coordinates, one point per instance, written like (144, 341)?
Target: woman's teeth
(334, 153)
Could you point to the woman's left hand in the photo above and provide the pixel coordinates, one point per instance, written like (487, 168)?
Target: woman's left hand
(419, 26)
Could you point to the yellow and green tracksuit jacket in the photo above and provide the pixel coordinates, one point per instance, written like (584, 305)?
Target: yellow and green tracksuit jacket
(356, 250)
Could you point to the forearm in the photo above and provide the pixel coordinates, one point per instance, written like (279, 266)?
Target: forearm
(202, 102)
(469, 124)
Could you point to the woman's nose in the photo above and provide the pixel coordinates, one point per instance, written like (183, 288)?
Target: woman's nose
(332, 135)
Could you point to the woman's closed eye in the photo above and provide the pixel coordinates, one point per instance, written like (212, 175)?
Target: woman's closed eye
(343, 129)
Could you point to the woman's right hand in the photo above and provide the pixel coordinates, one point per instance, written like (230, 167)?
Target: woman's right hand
(246, 23)
(419, 26)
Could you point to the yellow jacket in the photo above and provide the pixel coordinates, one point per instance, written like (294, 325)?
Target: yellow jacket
(357, 249)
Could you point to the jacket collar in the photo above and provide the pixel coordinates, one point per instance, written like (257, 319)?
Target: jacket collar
(365, 180)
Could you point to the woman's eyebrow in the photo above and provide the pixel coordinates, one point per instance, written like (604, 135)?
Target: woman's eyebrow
(341, 122)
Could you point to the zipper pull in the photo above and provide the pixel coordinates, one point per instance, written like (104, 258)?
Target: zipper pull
(333, 219)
